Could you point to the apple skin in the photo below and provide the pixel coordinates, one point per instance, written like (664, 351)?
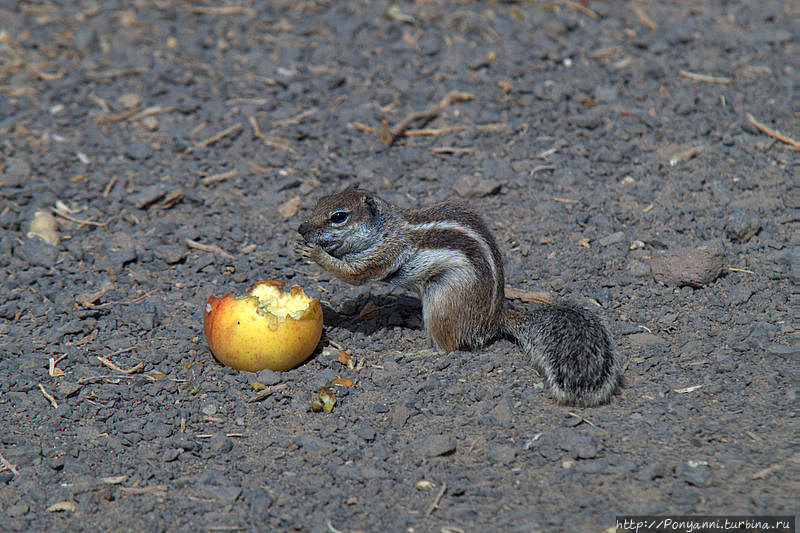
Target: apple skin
(243, 338)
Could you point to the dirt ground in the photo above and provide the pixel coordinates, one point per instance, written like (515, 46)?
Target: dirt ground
(639, 157)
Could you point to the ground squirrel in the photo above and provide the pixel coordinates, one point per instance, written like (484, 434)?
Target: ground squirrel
(447, 255)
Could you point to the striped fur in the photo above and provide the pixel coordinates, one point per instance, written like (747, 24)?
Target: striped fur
(446, 254)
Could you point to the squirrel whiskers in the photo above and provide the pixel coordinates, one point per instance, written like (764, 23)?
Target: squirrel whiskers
(446, 254)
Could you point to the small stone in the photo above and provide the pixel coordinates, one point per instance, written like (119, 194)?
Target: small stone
(259, 500)
(68, 389)
(170, 454)
(580, 446)
(650, 472)
(472, 187)
(694, 267)
(381, 407)
(614, 238)
(121, 257)
(790, 353)
(400, 416)
(741, 226)
(220, 443)
(366, 432)
(436, 445)
(37, 252)
(644, 339)
(502, 454)
(17, 510)
(209, 409)
(502, 412)
(606, 93)
(171, 253)
(148, 195)
(638, 268)
(138, 151)
(740, 294)
(699, 476)
(311, 442)
(268, 377)
(17, 172)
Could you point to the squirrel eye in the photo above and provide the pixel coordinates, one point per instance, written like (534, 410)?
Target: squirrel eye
(339, 217)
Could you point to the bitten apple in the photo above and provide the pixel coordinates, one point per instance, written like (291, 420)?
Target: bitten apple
(268, 328)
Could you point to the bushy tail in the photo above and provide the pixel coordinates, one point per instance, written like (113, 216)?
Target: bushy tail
(571, 348)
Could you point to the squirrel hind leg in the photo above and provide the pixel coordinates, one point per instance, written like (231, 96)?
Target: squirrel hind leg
(572, 350)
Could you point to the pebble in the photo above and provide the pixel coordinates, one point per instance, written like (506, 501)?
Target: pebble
(695, 267)
(37, 252)
(436, 445)
(613, 238)
(741, 225)
(148, 196)
(472, 187)
(17, 171)
(366, 432)
(220, 444)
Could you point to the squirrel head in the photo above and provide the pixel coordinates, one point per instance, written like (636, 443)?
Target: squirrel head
(345, 222)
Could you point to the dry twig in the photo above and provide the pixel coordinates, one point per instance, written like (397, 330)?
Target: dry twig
(773, 132)
(388, 136)
(297, 119)
(216, 137)
(435, 503)
(212, 248)
(266, 393)
(208, 180)
(49, 397)
(644, 19)
(7, 465)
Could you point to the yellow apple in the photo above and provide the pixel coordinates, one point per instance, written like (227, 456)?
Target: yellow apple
(268, 328)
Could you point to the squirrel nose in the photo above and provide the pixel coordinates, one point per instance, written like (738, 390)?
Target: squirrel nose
(304, 229)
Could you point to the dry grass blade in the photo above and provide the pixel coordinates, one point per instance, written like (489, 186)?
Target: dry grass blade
(112, 366)
(773, 132)
(580, 8)
(704, 77)
(144, 490)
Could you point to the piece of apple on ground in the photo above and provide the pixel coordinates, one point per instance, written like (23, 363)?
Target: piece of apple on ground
(268, 328)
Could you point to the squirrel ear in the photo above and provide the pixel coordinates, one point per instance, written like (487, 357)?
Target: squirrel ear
(371, 204)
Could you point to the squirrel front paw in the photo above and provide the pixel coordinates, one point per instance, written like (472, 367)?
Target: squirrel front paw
(302, 251)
